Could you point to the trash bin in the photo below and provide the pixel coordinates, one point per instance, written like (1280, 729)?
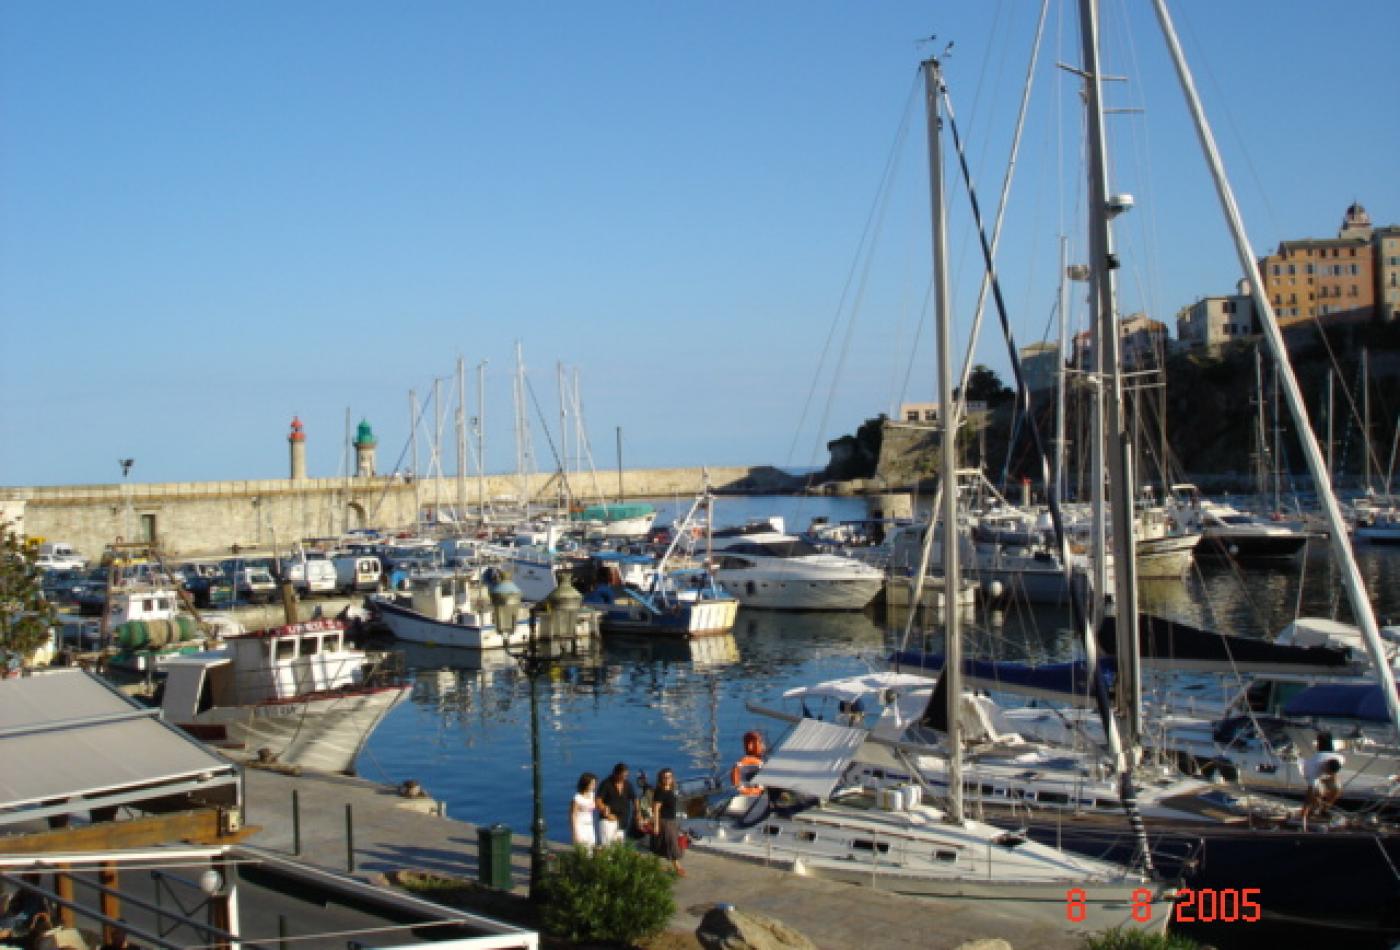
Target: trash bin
(493, 856)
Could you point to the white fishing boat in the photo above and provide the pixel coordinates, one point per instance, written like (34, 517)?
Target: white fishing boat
(456, 610)
(616, 520)
(452, 611)
(297, 691)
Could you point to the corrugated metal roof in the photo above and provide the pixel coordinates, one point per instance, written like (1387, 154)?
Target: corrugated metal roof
(68, 736)
(811, 759)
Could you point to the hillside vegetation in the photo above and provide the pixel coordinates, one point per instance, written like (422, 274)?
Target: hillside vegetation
(1211, 419)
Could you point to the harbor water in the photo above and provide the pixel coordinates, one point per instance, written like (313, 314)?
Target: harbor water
(654, 703)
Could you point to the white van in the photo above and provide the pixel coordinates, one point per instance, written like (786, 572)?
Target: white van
(357, 572)
(313, 575)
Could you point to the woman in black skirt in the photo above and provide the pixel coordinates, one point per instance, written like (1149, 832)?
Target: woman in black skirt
(666, 842)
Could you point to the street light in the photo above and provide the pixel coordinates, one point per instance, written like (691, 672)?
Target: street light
(505, 605)
(560, 613)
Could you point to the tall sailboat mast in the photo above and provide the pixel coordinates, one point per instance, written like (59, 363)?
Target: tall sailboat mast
(1060, 369)
(1103, 263)
(1366, 416)
(481, 440)
(947, 411)
(461, 440)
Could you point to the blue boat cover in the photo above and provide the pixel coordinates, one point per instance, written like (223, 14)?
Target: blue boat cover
(1071, 678)
(1340, 701)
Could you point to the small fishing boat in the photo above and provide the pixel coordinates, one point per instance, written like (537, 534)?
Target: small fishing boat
(680, 604)
(617, 520)
(456, 611)
(298, 691)
(453, 611)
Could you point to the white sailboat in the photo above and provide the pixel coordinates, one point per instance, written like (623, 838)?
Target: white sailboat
(818, 814)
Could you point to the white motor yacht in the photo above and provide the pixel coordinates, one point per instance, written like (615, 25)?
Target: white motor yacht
(783, 572)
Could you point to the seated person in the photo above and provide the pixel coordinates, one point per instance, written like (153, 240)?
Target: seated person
(1324, 791)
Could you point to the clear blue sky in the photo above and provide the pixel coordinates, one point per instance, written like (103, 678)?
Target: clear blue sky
(215, 215)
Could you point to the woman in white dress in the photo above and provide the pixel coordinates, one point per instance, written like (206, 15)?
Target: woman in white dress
(581, 810)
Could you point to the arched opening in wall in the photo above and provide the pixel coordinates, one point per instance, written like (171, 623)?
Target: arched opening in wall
(354, 516)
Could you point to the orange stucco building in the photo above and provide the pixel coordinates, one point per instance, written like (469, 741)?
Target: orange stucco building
(1332, 279)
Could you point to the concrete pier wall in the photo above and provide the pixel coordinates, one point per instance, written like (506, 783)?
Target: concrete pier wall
(211, 517)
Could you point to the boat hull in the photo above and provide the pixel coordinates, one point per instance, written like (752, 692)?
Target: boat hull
(1379, 535)
(778, 590)
(324, 733)
(408, 625)
(1250, 547)
(1166, 557)
(1281, 863)
(700, 618)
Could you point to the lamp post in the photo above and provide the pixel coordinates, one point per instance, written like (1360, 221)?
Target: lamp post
(505, 604)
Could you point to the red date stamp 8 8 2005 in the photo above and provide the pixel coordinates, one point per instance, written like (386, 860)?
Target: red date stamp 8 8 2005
(1203, 906)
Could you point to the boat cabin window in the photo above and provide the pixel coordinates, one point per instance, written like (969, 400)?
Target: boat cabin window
(948, 857)
(286, 649)
(1053, 798)
(865, 844)
(772, 830)
(331, 643)
(808, 836)
(162, 603)
(148, 604)
(310, 646)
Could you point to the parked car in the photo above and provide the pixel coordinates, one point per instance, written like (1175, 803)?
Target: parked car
(200, 579)
(250, 582)
(62, 587)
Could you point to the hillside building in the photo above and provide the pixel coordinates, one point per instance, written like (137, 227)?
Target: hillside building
(1329, 279)
(1040, 363)
(1142, 344)
(1212, 322)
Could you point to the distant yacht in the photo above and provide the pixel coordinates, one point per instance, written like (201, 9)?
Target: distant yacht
(765, 567)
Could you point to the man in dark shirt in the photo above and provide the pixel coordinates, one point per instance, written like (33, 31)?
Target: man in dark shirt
(616, 799)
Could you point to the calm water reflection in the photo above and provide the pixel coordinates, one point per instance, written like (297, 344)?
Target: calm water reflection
(465, 735)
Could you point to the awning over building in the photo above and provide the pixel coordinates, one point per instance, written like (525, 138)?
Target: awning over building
(72, 743)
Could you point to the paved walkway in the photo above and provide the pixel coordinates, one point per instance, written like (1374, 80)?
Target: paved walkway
(388, 837)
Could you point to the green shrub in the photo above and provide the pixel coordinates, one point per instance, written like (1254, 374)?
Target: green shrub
(610, 895)
(1120, 939)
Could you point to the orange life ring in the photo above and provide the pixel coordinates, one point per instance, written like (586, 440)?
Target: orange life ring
(742, 775)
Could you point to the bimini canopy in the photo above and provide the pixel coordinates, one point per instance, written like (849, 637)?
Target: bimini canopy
(851, 688)
(812, 758)
(71, 743)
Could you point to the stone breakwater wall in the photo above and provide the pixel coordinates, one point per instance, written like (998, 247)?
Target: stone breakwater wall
(210, 517)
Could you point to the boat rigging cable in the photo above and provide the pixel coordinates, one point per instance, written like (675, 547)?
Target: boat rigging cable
(864, 248)
(1079, 609)
(1342, 551)
(961, 389)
